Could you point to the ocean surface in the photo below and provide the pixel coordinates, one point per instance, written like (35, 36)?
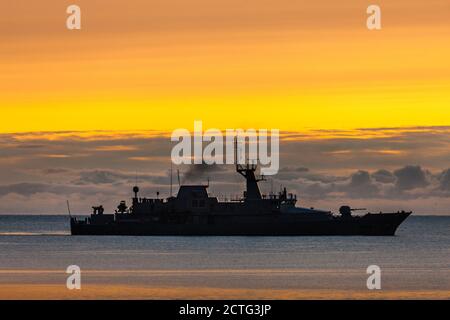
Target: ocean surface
(36, 250)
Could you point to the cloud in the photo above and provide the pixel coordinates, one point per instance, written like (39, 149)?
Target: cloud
(97, 171)
(383, 176)
(296, 173)
(361, 185)
(411, 177)
(105, 177)
(317, 190)
(27, 189)
(444, 179)
(98, 177)
(54, 170)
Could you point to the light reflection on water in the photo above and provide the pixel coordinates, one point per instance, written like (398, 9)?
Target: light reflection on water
(416, 259)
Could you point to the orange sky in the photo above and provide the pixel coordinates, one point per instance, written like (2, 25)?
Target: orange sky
(284, 64)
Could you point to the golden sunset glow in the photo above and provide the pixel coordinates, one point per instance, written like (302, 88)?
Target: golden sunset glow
(287, 65)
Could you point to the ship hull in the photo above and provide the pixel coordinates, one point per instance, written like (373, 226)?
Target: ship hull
(384, 224)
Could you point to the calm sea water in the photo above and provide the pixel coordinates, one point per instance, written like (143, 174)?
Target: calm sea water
(417, 258)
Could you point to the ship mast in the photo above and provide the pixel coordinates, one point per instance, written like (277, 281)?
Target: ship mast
(247, 170)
